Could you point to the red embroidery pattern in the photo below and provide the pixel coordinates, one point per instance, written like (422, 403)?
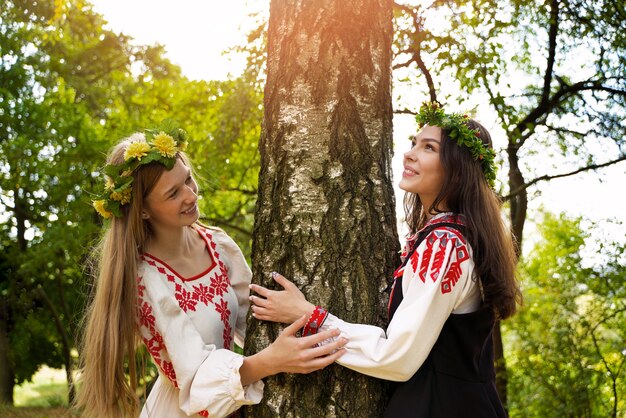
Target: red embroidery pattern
(455, 271)
(227, 335)
(203, 294)
(168, 369)
(185, 299)
(145, 314)
(140, 287)
(430, 240)
(155, 345)
(220, 281)
(222, 308)
(203, 413)
(440, 255)
(188, 296)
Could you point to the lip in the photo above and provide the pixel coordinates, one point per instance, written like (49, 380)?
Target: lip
(191, 210)
(409, 172)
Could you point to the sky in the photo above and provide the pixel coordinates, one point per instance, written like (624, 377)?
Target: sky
(196, 32)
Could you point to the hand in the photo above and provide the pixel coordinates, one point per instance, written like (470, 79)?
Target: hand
(290, 354)
(284, 306)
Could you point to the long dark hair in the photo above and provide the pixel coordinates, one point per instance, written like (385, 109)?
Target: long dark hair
(466, 191)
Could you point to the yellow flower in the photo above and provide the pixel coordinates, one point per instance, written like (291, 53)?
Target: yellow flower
(108, 183)
(99, 207)
(122, 197)
(165, 144)
(136, 150)
(182, 146)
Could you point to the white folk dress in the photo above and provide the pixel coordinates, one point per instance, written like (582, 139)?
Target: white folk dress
(189, 326)
(437, 281)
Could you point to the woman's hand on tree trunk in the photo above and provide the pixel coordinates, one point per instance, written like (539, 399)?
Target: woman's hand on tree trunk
(284, 306)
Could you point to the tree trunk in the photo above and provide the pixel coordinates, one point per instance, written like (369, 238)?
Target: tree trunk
(66, 343)
(7, 381)
(325, 213)
(518, 210)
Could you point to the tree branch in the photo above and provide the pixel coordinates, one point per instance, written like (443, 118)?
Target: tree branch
(403, 64)
(405, 111)
(556, 176)
(242, 191)
(416, 55)
(221, 222)
(567, 131)
(564, 92)
(554, 29)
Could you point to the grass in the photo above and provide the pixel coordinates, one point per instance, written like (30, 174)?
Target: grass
(34, 412)
(44, 397)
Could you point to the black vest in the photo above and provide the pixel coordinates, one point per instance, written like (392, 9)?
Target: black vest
(457, 378)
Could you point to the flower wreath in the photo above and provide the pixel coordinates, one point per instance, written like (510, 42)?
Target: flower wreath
(161, 145)
(431, 113)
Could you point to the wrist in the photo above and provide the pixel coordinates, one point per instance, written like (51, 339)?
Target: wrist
(307, 309)
(257, 366)
(315, 321)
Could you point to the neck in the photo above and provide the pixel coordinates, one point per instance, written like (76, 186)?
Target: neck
(427, 203)
(170, 244)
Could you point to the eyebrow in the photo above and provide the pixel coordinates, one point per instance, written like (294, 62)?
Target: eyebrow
(436, 141)
(174, 187)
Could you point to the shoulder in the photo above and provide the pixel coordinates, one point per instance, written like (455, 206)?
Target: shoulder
(445, 227)
(226, 248)
(218, 235)
(445, 234)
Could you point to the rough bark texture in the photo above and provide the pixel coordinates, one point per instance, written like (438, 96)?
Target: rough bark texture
(325, 213)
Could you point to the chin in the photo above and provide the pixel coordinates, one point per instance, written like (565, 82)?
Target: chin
(406, 187)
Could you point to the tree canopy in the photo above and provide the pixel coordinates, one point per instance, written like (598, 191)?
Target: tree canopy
(549, 75)
(69, 89)
(566, 346)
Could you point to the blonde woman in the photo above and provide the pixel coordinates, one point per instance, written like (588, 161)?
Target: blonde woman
(181, 288)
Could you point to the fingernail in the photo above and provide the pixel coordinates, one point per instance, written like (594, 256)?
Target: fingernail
(274, 274)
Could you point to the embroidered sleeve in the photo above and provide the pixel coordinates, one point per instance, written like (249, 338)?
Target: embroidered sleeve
(207, 378)
(240, 276)
(437, 281)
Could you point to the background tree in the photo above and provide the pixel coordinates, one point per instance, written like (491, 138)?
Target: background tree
(325, 213)
(552, 72)
(69, 89)
(567, 346)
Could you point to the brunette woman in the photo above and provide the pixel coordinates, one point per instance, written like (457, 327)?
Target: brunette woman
(456, 280)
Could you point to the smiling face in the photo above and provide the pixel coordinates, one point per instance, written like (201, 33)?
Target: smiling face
(173, 201)
(423, 172)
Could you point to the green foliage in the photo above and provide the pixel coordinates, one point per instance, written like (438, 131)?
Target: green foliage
(566, 347)
(69, 89)
(552, 73)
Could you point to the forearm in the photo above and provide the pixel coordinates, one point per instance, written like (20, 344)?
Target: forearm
(256, 367)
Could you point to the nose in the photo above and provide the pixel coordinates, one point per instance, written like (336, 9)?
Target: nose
(411, 154)
(191, 193)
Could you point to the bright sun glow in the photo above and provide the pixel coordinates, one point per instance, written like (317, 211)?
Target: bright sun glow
(194, 32)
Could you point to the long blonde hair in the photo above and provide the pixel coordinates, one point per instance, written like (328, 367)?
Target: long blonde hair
(110, 337)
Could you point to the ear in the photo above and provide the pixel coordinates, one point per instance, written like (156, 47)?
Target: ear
(145, 215)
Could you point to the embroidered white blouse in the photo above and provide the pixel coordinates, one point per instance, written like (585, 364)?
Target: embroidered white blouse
(436, 282)
(189, 325)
